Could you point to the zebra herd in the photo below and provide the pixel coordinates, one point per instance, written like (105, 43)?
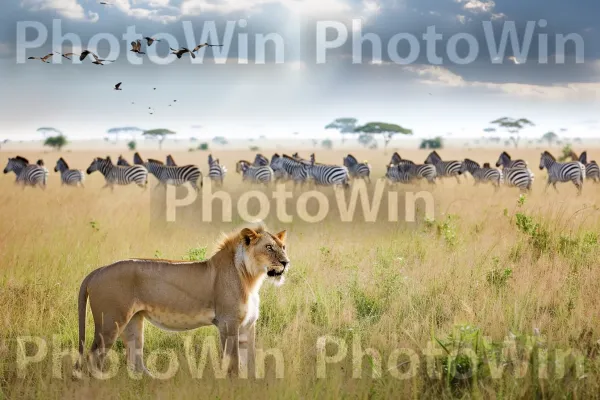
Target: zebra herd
(514, 173)
(294, 168)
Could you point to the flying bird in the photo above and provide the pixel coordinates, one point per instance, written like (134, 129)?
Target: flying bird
(118, 86)
(206, 44)
(514, 59)
(100, 61)
(85, 53)
(179, 53)
(42, 59)
(136, 47)
(104, 3)
(67, 55)
(150, 40)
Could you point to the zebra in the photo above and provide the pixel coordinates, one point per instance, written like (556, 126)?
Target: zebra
(171, 175)
(506, 162)
(216, 171)
(591, 168)
(398, 173)
(444, 168)
(573, 171)
(263, 174)
(287, 166)
(418, 171)
(395, 158)
(356, 169)
(119, 174)
(279, 173)
(518, 177)
(170, 161)
(122, 161)
(260, 161)
(482, 175)
(70, 177)
(323, 174)
(27, 174)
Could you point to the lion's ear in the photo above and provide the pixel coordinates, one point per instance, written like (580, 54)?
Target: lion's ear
(281, 235)
(248, 235)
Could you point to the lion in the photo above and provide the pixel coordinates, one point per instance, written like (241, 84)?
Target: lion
(178, 296)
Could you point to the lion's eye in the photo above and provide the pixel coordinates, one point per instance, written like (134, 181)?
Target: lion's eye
(269, 247)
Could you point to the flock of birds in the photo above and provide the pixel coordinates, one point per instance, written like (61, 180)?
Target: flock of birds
(281, 168)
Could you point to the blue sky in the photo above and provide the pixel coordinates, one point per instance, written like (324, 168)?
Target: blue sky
(226, 97)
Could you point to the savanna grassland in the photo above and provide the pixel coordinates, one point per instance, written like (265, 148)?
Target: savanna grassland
(494, 279)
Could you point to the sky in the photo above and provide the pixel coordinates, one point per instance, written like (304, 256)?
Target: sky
(295, 65)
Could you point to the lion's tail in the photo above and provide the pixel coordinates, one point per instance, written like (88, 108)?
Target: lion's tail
(81, 305)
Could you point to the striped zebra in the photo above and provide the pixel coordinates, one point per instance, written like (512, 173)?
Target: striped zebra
(278, 171)
(70, 177)
(518, 177)
(482, 174)
(216, 171)
(290, 168)
(591, 168)
(119, 174)
(171, 175)
(356, 169)
(262, 174)
(123, 162)
(573, 171)
(327, 175)
(418, 171)
(506, 162)
(395, 158)
(444, 168)
(398, 173)
(170, 161)
(27, 174)
(260, 161)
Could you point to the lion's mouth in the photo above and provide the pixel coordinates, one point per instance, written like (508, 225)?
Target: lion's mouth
(273, 272)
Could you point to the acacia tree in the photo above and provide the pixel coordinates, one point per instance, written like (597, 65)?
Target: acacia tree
(45, 131)
(57, 142)
(513, 126)
(550, 137)
(343, 126)
(125, 129)
(384, 129)
(160, 134)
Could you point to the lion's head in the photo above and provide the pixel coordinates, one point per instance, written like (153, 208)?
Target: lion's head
(265, 252)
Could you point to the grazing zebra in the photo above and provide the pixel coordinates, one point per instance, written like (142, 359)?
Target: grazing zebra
(518, 177)
(398, 173)
(482, 175)
(260, 161)
(444, 168)
(119, 174)
(356, 169)
(506, 162)
(573, 171)
(27, 174)
(171, 175)
(70, 177)
(324, 174)
(263, 174)
(418, 171)
(216, 171)
(591, 168)
(123, 162)
(170, 161)
(290, 167)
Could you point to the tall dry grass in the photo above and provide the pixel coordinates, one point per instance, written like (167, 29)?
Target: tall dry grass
(489, 268)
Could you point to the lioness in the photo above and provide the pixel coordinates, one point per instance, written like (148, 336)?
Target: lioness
(175, 295)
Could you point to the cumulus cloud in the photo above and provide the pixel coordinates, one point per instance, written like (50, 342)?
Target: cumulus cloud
(70, 9)
(303, 7)
(480, 7)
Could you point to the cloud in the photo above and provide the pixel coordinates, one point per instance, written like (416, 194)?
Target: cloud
(440, 76)
(65, 8)
(302, 7)
(481, 7)
(151, 10)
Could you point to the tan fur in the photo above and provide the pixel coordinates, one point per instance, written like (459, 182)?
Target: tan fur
(176, 295)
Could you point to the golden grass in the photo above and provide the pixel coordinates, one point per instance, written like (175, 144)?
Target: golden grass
(389, 286)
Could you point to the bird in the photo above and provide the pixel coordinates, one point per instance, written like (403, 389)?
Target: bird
(514, 59)
(206, 44)
(179, 53)
(154, 88)
(174, 101)
(104, 3)
(42, 59)
(150, 40)
(133, 102)
(118, 86)
(85, 53)
(100, 61)
(67, 55)
(136, 47)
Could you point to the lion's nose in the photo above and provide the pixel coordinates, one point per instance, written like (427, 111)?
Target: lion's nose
(284, 263)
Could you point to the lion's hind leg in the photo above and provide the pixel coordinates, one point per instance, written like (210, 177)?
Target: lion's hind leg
(107, 328)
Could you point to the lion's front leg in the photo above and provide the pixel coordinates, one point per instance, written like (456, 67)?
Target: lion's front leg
(247, 351)
(229, 333)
